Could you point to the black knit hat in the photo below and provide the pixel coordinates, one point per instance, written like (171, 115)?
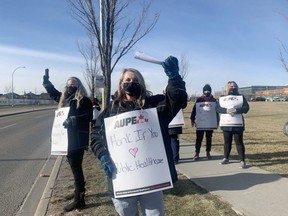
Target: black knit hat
(207, 87)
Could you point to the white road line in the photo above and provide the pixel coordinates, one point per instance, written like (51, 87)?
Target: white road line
(7, 126)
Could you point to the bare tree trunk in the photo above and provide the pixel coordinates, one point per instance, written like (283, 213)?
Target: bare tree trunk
(112, 22)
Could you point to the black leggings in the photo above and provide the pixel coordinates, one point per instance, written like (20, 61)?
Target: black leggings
(238, 138)
(75, 158)
(199, 138)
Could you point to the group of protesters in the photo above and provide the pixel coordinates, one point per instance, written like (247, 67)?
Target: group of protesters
(136, 105)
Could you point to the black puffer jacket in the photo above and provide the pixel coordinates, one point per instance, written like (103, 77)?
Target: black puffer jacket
(167, 107)
(78, 135)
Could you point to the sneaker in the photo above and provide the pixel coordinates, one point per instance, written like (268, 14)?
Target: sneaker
(208, 155)
(242, 164)
(196, 157)
(224, 161)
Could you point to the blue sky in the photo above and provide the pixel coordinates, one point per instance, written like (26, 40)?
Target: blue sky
(222, 40)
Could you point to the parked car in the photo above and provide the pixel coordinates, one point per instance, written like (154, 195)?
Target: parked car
(260, 99)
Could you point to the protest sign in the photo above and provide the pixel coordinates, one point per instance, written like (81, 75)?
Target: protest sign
(231, 101)
(206, 117)
(59, 138)
(178, 120)
(136, 147)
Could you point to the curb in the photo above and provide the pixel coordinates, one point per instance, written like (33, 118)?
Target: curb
(45, 199)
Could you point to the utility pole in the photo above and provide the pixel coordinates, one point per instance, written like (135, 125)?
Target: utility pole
(12, 83)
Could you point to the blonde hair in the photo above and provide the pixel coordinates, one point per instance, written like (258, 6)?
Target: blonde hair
(79, 94)
(227, 87)
(120, 93)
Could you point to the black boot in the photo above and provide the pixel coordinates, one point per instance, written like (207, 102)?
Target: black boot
(78, 203)
(69, 196)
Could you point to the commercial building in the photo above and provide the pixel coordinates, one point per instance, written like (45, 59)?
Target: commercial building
(251, 92)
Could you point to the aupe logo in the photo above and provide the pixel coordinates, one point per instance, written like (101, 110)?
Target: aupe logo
(60, 113)
(130, 121)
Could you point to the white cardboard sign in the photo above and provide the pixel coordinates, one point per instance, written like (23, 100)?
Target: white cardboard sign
(59, 138)
(178, 120)
(206, 117)
(231, 101)
(136, 147)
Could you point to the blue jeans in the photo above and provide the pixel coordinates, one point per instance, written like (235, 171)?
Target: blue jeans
(151, 205)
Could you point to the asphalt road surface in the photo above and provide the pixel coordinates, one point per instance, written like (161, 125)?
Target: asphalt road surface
(24, 151)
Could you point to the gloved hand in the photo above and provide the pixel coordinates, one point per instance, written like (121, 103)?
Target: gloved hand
(171, 67)
(67, 122)
(231, 111)
(193, 123)
(107, 165)
(46, 77)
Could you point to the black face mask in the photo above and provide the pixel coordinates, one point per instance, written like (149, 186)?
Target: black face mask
(132, 88)
(233, 91)
(207, 94)
(71, 90)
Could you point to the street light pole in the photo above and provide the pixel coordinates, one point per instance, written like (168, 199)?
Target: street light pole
(12, 83)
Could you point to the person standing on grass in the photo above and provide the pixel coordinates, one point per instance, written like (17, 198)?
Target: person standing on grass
(205, 119)
(78, 127)
(231, 107)
(132, 95)
(175, 142)
(174, 132)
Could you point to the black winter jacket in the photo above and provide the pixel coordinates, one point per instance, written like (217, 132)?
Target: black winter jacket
(167, 107)
(78, 134)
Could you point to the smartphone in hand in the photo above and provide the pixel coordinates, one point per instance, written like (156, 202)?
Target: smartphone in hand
(47, 72)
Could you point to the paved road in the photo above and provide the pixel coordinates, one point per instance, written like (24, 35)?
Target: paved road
(24, 150)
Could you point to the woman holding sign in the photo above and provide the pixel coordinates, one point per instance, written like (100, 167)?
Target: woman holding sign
(133, 97)
(231, 107)
(77, 124)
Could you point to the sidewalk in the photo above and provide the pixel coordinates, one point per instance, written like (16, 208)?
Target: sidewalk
(251, 191)
(23, 109)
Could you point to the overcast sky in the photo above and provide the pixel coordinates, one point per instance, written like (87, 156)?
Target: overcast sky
(222, 40)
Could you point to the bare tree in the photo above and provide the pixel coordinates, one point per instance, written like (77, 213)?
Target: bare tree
(283, 52)
(7, 90)
(283, 48)
(112, 22)
(183, 66)
(90, 54)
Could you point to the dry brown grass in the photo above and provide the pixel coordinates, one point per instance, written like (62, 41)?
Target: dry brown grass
(266, 147)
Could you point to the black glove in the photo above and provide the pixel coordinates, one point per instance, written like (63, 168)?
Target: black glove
(171, 67)
(67, 122)
(46, 77)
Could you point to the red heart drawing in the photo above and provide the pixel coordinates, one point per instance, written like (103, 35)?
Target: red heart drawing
(133, 151)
